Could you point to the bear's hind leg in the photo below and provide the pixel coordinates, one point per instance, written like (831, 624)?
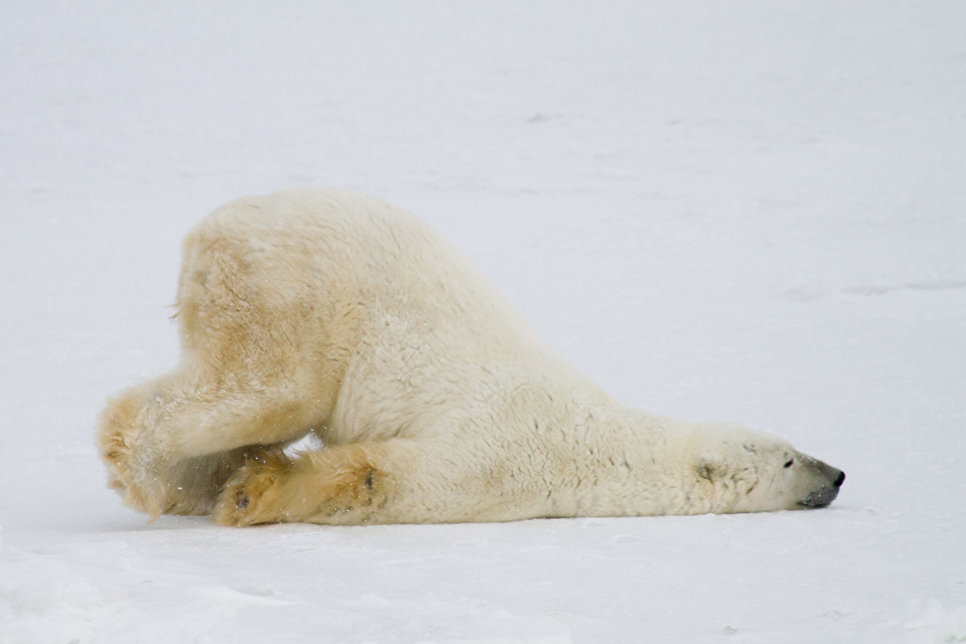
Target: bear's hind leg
(258, 369)
(169, 445)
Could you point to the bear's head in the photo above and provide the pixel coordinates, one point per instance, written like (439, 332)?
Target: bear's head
(737, 470)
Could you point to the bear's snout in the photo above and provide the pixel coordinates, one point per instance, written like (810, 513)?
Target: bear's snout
(826, 487)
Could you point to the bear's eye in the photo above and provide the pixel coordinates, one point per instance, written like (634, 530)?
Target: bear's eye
(788, 464)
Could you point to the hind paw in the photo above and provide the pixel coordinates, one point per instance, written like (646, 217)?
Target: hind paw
(131, 471)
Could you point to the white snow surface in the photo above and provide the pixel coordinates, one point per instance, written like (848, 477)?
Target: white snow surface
(751, 211)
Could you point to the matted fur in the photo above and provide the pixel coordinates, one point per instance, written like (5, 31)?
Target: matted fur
(333, 313)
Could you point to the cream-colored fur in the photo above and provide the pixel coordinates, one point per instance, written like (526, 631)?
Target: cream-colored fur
(330, 312)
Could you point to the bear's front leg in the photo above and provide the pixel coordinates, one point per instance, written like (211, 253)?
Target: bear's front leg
(397, 480)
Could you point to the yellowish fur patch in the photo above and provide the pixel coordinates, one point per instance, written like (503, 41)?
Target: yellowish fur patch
(336, 485)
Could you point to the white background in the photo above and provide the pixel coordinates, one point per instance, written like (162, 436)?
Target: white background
(752, 211)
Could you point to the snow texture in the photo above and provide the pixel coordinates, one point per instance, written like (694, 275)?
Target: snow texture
(751, 211)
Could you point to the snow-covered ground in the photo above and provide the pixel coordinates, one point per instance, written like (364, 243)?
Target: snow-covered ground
(753, 212)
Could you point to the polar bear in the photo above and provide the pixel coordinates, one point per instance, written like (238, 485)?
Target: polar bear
(332, 313)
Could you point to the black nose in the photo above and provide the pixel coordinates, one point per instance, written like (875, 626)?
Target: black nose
(839, 479)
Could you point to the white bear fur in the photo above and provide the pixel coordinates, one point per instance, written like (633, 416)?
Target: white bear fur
(330, 312)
